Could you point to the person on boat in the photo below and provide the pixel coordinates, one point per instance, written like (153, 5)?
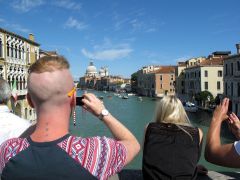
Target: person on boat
(50, 152)
(172, 146)
(222, 154)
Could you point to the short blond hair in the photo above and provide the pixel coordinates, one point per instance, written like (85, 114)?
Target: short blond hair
(49, 64)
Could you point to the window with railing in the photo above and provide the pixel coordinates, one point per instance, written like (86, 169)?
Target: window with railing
(218, 85)
(226, 88)
(219, 73)
(206, 73)
(206, 85)
(238, 65)
(238, 89)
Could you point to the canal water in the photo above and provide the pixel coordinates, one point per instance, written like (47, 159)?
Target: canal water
(135, 114)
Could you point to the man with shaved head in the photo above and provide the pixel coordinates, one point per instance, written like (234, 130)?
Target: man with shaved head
(50, 152)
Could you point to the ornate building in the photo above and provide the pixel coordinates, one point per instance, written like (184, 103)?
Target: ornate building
(16, 55)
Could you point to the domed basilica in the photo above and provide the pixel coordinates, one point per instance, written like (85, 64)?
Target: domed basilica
(91, 71)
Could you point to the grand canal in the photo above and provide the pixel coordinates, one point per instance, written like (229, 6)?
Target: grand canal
(135, 115)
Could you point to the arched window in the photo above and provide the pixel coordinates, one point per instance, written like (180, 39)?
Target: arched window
(12, 51)
(8, 49)
(16, 50)
(1, 48)
(19, 53)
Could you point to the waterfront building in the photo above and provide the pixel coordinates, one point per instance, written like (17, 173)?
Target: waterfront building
(180, 79)
(205, 75)
(100, 80)
(17, 53)
(156, 81)
(232, 80)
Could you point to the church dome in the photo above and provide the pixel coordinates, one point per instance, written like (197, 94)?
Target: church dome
(91, 69)
(101, 70)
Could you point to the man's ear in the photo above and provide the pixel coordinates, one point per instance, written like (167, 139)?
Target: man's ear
(30, 100)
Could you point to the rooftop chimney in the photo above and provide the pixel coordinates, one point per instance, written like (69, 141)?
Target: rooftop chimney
(238, 48)
(31, 37)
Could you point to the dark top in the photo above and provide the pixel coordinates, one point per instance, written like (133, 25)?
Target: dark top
(44, 161)
(170, 153)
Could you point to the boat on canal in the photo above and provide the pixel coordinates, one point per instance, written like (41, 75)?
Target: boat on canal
(190, 107)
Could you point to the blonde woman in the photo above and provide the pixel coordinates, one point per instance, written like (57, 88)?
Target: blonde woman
(172, 147)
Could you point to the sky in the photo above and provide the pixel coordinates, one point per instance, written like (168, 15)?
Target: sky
(125, 35)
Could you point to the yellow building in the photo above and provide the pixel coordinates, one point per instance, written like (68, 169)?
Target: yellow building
(206, 75)
(17, 53)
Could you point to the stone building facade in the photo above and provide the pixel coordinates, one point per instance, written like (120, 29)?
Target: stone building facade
(232, 80)
(16, 55)
(156, 81)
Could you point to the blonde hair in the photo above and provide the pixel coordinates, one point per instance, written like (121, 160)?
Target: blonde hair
(49, 64)
(171, 110)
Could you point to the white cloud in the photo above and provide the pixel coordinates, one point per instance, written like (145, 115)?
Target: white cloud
(74, 23)
(183, 58)
(108, 54)
(26, 5)
(67, 4)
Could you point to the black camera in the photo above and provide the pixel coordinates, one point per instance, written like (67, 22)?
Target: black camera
(79, 100)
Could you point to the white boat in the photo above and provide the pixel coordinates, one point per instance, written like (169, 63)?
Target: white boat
(140, 98)
(190, 107)
(125, 97)
(131, 94)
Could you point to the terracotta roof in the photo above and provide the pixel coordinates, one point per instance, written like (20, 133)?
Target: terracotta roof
(18, 36)
(207, 62)
(165, 69)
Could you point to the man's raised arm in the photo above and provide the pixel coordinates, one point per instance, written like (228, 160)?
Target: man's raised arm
(215, 152)
(118, 130)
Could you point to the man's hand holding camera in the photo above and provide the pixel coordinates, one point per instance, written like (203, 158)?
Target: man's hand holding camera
(92, 104)
(220, 113)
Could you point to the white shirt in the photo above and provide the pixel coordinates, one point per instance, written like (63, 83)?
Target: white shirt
(11, 125)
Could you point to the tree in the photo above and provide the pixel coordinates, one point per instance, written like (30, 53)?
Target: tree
(134, 82)
(205, 97)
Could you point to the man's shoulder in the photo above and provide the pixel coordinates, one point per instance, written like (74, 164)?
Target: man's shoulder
(11, 148)
(93, 142)
(16, 143)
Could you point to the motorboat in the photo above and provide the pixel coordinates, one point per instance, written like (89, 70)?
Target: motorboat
(131, 94)
(140, 98)
(100, 97)
(125, 97)
(190, 107)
